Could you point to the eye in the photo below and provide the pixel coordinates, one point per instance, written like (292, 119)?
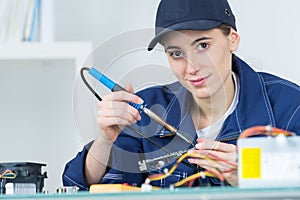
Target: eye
(202, 46)
(176, 54)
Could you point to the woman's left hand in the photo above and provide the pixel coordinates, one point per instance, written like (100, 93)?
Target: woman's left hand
(224, 158)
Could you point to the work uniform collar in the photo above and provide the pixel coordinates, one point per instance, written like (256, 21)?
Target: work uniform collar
(253, 109)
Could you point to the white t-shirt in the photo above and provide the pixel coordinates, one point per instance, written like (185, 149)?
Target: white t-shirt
(211, 132)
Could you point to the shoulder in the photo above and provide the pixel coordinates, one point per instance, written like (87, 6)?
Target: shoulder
(279, 86)
(280, 98)
(284, 97)
(272, 80)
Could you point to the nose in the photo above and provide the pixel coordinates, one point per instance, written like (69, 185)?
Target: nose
(191, 64)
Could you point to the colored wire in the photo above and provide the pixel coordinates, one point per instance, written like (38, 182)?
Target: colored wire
(257, 130)
(173, 168)
(195, 176)
(8, 174)
(264, 130)
(215, 173)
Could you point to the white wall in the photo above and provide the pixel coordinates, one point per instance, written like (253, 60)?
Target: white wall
(270, 35)
(269, 28)
(36, 110)
(36, 115)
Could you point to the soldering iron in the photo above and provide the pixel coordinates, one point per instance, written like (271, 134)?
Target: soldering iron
(141, 107)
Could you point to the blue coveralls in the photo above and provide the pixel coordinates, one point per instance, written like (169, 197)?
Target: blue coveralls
(264, 99)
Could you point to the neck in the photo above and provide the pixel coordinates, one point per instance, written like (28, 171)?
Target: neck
(212, 109)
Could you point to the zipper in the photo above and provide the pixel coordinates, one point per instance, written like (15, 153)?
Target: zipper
(229, 137)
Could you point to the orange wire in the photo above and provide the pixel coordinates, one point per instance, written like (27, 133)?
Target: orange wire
(264, 130)
(179, 160)
(8, 174)
(195, 176)
(256, 130)
(212, 172)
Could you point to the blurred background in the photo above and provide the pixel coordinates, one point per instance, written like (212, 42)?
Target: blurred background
(47, 114)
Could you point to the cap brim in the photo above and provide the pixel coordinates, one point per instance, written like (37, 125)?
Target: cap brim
(190, 25)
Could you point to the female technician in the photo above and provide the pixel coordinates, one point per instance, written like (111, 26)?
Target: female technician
(216, 98)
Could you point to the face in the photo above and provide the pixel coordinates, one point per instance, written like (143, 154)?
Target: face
(201, 60)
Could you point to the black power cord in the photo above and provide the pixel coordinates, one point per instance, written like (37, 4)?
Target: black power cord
(87, 84)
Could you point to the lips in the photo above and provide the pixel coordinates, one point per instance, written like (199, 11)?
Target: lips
(198, 82)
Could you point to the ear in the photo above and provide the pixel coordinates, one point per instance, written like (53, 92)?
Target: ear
(234, 38)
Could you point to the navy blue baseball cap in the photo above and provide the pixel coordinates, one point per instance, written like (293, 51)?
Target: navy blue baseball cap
(174, 15)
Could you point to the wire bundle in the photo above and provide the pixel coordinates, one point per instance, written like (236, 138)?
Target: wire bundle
(8, 174)
(264, 130)
(214, 173)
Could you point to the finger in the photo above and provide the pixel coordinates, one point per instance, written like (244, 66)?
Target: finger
(215, 145)
(120, 113)
(203, 163)
(119, 109)
(117, 97)
(112, 121)
(125, 96)
(214, 154)
(227, 159)
(210, 164)
(129, 88)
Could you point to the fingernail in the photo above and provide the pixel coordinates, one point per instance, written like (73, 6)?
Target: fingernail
(191, 160)
(200, 140)
(141, 101)
(198, 146)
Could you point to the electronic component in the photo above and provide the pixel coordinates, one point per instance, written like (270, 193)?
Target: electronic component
(269, 162)
(21, 178)
(67, 190)
(159, 162)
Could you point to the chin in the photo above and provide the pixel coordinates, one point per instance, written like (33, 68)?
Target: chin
(202, 95)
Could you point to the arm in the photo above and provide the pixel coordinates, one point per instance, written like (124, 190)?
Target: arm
(113, 114)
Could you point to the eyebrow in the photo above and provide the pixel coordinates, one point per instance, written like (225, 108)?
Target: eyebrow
(192, 44)
(171, 47)
(199, 39)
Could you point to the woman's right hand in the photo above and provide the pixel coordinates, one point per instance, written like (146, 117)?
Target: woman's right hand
(114, 113)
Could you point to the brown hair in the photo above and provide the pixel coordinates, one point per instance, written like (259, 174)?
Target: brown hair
(225, 29)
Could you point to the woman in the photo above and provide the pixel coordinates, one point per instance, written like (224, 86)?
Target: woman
(216, 98)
